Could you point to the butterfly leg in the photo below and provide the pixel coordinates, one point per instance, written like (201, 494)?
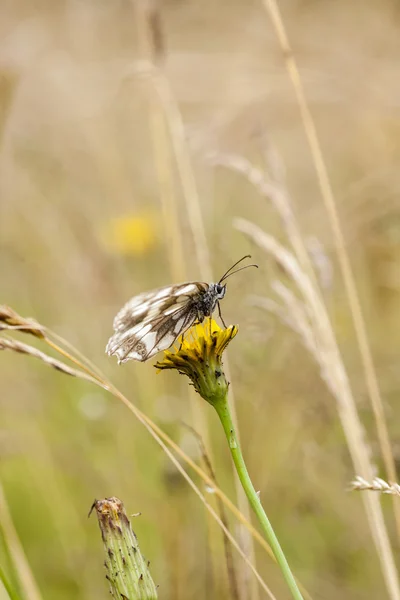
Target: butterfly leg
(183, 337)
(220, 315)
(183, 334)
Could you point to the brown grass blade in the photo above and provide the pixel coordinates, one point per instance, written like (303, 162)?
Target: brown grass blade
(21, 348)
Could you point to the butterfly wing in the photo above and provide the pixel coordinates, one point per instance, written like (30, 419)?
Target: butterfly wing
(152, 321)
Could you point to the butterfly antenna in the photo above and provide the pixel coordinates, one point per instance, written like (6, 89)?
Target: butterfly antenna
(237, 271)
(233, 266)
(229, 272)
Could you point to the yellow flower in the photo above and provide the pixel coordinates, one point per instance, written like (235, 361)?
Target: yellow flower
(200, 358)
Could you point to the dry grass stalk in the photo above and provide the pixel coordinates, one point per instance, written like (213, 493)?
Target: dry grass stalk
(170, 146)
(266, 188)
(21, 348)
(149, 30)
(273, 189)
(293, 314)
(178, 140)
(377, 485)
(196, 222)
(345, 266)
(186, 176)
(234, 592)
(327, 355)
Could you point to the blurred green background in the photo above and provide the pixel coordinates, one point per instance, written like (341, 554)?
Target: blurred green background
(82, 228)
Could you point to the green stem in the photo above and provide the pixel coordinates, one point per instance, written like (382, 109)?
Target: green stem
(222, 408)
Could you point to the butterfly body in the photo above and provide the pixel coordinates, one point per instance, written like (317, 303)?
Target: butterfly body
(151, 322)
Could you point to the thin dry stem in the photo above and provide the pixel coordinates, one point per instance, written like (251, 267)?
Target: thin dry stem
(176, 127)
(161, 144)
(345, 266)
(221, 509)
(275, 192)
(21, 348)
(186, 175)
(196, 223)
(292, 314)
(266, 188)
(164, 133)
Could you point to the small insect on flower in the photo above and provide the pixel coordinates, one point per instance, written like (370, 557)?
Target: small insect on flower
(152, 321)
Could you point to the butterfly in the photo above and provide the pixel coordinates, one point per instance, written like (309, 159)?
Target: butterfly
(152, 321)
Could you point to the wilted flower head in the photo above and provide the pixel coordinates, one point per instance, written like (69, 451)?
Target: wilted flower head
(127, 570)
(200, 358)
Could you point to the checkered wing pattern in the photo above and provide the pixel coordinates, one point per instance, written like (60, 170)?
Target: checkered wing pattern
(152, 321)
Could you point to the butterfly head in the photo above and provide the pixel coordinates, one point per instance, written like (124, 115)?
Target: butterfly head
(210, 299)
(219, 290)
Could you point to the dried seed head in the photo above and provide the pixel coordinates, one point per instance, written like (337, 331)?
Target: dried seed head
(127, 570)
(9, 319)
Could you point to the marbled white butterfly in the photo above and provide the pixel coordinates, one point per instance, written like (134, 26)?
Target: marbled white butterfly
(152, 321)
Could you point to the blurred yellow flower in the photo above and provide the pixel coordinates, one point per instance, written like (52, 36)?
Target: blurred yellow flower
(131, 234)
